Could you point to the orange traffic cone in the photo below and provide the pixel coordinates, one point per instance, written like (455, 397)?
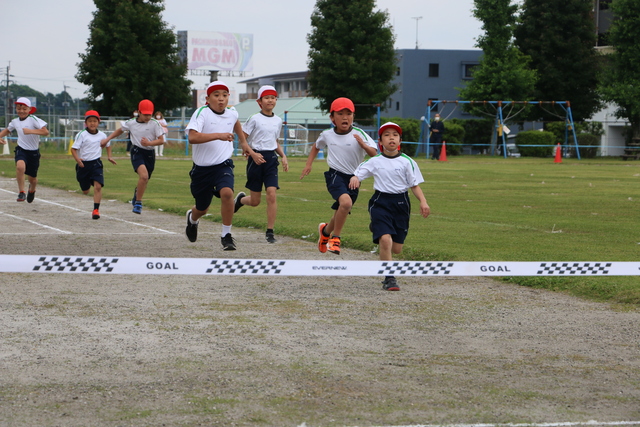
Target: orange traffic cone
(443, 153)
(558, 154)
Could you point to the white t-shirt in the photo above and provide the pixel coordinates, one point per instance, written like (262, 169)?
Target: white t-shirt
(150, 130)
(205, 120)
(263, 131)
(28, 142)
(88, 145)
(345, 154)
(393, 175)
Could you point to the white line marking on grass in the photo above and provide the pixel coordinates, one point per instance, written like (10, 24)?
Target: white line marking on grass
(36, 223)
(104, 216)
(559, 424)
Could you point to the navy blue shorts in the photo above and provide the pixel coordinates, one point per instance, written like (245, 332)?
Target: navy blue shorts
(207, 181)
(266, 173)
(31, 160)
(90, 173)
(140, 156)
(389, 214)
(338, 184)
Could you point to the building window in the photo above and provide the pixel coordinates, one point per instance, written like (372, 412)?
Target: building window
(467, 71)
(398, 71)
(397, 106)
(434, 70)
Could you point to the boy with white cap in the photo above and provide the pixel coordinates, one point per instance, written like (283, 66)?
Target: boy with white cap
(394, 174)
(145, 133)
(29, 129)
(262, 131)
(86, 151)
(347, 146)
(210, 131)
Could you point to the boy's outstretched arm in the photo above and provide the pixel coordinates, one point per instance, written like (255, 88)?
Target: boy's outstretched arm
(425, 210)
(312, 155)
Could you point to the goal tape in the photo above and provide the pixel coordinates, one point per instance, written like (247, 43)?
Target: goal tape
(267, 267)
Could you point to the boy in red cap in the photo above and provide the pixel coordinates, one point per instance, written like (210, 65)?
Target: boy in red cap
(145, 133)
(347, 146)
(262, 131)
(29, 129)
(86, 150)
(393, 174)
(210, 131)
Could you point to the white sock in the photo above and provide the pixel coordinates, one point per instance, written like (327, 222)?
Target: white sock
(191, 219)
(226, 229)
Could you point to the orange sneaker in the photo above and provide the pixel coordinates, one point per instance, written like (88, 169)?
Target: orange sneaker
(322, 240)
(334, 245)
(95, 214)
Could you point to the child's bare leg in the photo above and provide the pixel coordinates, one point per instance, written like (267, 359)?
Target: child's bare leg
(97, 192)
(21, 167)
(385, 243)
(197, 214)
(33, 182)
(143, 180)
(253, 200)
(226, 205)
(272, 207)
(340, 216)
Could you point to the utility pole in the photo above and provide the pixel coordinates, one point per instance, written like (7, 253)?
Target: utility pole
(6, 96)
(417, 18)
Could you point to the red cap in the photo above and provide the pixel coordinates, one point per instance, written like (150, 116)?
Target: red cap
(342, 104)
(389, 125)
(91, 113)
(145, 107)
(217, 85)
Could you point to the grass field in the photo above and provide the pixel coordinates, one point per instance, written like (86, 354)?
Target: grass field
(483, 209)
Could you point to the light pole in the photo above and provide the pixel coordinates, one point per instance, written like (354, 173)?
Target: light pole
(417, 18)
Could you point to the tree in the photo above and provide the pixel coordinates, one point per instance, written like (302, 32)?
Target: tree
(560, 38)
(351, 54)
(132, 55)
(503, 73)
(621, 79)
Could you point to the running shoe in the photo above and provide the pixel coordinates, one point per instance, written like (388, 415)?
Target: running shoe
(30, 195)
(390, 284)
(228, 244)
(334, 245)
(137, 207)
(22, 196)
(271, 238)
(95, 214)
(237, 203)
(322, 240)
(192, 229)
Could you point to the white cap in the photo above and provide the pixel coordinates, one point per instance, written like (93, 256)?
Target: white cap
(217, 85)
(267, 90)
(27, 102)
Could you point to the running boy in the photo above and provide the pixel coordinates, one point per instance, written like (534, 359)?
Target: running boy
(145, 133)
(29, 129)
(87, 151)
(389, 207)
(262, 131)
(210, 130)
(347, 146)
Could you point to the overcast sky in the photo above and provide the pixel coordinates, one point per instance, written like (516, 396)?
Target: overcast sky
(41, 39)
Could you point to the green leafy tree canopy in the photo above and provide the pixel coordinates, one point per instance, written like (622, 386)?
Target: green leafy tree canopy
(503, 73)
(621, 79)
(132, 55)
(560, 38)
(351, 54)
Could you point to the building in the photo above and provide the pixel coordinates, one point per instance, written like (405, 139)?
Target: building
(288, 85)
(430, 74)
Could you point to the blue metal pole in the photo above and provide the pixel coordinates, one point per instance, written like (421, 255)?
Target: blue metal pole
(286, 133)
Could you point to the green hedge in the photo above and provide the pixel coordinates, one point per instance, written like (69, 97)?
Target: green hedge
(592, 141)
(533, 143)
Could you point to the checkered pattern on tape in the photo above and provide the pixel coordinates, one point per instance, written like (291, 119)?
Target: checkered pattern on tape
(91, 265)
(415, 268)
(574, 268)
(240, 266)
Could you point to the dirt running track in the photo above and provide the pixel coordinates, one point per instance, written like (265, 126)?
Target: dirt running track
(83, 350)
